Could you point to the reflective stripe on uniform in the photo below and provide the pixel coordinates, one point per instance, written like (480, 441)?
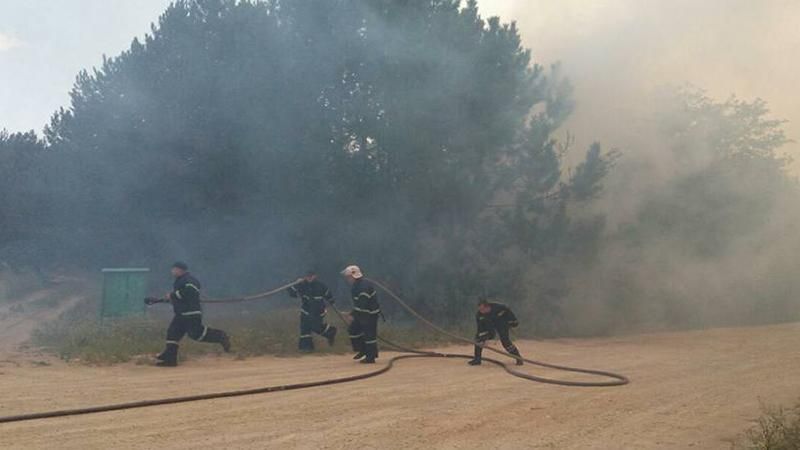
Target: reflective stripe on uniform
(500, 313)
(304, 336)
(205, 330)
(371, 342)
(172, 342)
(192, 286)
(482, 333)
(367, 311)
(356, 336)
(178, 294)
(366, 294)
(303, 311)
(192, 313)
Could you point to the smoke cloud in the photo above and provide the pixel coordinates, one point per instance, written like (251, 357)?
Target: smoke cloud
(620, 54)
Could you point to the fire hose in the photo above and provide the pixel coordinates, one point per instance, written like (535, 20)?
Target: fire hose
(615, 379)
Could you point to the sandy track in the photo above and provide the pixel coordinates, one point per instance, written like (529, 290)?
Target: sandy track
(16, 326)
(692, 389)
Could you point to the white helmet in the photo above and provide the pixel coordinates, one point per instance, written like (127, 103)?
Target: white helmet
(353, 271)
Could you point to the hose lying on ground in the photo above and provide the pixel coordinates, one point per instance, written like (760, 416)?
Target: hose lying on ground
(617, 380)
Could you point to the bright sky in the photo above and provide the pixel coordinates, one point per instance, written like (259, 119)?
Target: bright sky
(614, 50)
(44, 43)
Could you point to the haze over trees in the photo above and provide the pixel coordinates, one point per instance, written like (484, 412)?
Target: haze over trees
(414, 138)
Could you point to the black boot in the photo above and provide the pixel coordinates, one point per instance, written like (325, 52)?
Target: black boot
(371, 352)
(305, 344)
(476, 360)
(331, 336)
(515, 351)
(226, 343)
(359, 355)
(169, 357)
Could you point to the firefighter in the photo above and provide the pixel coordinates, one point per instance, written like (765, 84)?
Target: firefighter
(363, 328)
(185, 299)
(494, 318)
(313, 298)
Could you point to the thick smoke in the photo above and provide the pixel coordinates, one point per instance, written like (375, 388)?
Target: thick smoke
(620, 55)
(619, 52)
(251, 153)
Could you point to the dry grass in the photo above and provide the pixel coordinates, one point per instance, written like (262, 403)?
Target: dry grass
(777, 429)
(80, 336)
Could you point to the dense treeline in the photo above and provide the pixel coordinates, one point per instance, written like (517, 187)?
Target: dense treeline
(255, 138)
(415, 138)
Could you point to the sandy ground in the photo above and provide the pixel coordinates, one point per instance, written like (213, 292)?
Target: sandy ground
(690, 389)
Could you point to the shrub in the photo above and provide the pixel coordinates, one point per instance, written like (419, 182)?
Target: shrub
(777, 429)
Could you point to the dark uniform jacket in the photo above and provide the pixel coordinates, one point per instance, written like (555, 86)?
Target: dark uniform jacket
(498, 317)
(313, 295)
(185, 296)
(365, 301)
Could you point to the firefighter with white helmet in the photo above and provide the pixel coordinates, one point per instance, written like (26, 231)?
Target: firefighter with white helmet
(363, 329)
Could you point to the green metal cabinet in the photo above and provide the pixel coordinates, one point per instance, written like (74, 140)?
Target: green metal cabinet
(124, 290)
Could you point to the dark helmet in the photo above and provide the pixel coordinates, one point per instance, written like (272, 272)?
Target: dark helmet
(181, 265)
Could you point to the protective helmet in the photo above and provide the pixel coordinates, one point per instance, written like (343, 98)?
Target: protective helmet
(353, 271)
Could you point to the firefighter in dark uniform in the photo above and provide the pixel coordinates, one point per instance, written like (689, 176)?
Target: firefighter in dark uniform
(314, 296)
(494, 318)
(185, 299)
(363, 328)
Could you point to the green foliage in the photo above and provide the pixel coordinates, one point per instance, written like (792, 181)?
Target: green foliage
(23, 201)
(245, 135)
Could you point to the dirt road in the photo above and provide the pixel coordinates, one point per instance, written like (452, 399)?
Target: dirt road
(690, 389)
(19, 319)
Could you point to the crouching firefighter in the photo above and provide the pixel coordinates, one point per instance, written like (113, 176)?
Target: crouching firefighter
(185, 299)
(494, 318)
(314, 296)
(363, 328)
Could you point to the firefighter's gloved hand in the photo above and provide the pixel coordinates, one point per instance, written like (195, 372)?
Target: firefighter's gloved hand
(152, 300)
